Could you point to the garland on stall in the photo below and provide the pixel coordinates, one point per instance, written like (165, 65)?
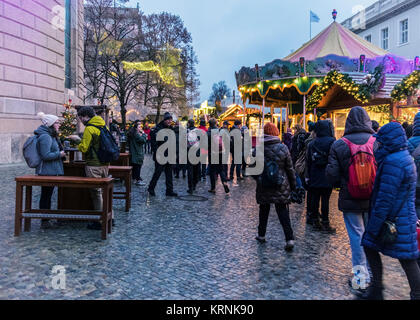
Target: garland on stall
(406, 87)
(344, 81)
(362, 93)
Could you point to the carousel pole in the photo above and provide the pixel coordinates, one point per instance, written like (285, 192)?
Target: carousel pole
(263, 114)
(304, 112)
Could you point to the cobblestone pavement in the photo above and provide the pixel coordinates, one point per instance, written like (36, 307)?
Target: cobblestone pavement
(172, 249)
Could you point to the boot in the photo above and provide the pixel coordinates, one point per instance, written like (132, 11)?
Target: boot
(372, 293)
(327, 228)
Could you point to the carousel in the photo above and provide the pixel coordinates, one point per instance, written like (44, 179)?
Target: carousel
(330, 74)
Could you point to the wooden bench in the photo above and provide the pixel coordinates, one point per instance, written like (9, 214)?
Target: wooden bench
(123, 173)
(29, 213)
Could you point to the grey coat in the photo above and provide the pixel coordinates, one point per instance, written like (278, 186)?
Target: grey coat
(358, 131)
(49, 151)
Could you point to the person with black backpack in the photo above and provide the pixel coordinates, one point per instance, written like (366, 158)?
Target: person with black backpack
(275, 185)
(319, 188)
(100, 149)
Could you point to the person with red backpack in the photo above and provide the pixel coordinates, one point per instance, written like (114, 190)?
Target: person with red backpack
(352, 168)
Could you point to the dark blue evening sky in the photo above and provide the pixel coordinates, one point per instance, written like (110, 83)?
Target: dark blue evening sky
(229, 34)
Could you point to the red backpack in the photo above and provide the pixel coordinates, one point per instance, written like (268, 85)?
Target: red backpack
(362, 170)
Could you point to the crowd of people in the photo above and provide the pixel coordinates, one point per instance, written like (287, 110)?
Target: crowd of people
(375, 170)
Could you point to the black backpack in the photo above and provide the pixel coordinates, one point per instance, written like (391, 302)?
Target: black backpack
(319, 158)
(108, 148)
(271, 177)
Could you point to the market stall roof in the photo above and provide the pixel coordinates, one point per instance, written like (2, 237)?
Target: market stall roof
(337, 40)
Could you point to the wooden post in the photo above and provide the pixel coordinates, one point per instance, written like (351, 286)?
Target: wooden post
(272, 111)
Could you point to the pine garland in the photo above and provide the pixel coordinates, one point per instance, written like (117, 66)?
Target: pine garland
(407, 87)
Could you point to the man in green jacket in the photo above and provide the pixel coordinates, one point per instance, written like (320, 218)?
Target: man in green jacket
(89, 145)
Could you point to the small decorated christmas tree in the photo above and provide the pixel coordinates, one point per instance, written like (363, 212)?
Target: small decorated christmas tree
(68, 124)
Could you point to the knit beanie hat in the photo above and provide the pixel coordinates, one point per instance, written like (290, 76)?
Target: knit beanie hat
(167, 116)
(271, 130)
(47, 119)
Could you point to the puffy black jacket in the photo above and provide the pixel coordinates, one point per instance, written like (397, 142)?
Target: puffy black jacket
(322, 143)
(274, 150)
(358, 131)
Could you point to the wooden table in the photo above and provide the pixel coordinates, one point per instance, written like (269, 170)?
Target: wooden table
(123, 161)
(27, 182)
(77, 169)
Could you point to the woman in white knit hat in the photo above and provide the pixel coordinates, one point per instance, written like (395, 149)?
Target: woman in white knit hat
(51, 153)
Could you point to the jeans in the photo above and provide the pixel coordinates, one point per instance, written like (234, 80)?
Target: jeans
(283, 214)
(324, 195)
(180, 168)
(216, 169)
(410, 267)
(168, 175)
(234, 166)
(46, 195)
(355, 225)
(136, 171)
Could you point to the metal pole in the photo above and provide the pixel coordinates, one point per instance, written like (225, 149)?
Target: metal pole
(287, 117)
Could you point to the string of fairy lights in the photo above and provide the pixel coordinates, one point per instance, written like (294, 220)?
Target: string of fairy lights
(407, 87)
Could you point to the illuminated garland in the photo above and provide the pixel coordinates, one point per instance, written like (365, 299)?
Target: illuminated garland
(360, 93)
(383, 108)
(407, 87)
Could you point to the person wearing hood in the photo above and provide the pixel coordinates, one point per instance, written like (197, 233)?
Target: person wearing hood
(287, 139)
(89, 145)
(358, 131)
(280, 196)
(51, 154)
(319, 188)
(413, 144)
(298, 142)
(393, 200)
(160, 168)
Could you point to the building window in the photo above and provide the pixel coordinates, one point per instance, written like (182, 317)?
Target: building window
(404, 31)
(385, 39)
(369, 38)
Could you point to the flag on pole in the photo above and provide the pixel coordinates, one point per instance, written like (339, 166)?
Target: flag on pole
(314, 17)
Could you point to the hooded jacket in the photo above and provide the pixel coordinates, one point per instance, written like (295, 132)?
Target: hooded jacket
(136, 144)
(274, 150)
(393, 195)
(91, 142)
(322, 143)
(413, 143)
(49, 151)
(358, 130)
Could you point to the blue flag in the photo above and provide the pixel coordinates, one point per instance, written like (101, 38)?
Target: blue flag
(314, 17)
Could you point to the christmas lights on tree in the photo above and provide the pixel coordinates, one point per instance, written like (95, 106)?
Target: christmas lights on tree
(68, 124)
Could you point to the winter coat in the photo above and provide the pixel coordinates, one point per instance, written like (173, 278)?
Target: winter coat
(413, 143)
(91, 142)
(136, 145)
(274, 150)
(147, 132)
(393, 195)
(287, 140)
(156, 144)
(322, 143)
(358, 130)
(49, 149)
(298, 143)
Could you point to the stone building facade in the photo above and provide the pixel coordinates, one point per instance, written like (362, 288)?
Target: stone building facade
(41, 66)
